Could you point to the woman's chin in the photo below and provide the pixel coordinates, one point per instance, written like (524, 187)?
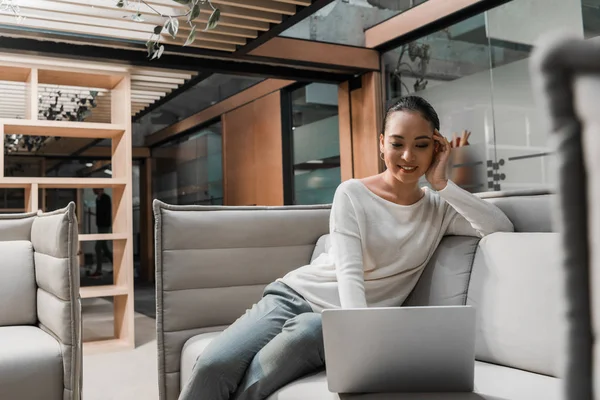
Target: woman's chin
(404, 177)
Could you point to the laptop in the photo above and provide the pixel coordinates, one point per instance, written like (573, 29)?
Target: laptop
(400, 349)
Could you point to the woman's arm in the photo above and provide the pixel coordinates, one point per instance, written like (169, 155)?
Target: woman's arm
(346, 248)
(472, 216)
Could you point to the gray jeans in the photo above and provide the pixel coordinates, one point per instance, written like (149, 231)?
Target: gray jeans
(275, 342)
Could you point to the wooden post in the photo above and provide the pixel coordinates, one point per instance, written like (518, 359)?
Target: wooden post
(366, 110)
(345, 128)
(146, 221)
(123, 212)
(31, 112)
(31, 197)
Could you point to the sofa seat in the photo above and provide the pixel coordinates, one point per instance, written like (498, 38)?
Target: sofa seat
(492, 382)
(31, 365)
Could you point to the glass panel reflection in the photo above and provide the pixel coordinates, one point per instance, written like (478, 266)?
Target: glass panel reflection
(316, 143)
(189, 170)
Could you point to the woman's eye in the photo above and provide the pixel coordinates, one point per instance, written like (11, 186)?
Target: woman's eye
(423, 146)
(395, 144)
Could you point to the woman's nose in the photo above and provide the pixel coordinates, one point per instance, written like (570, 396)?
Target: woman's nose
(408, 155)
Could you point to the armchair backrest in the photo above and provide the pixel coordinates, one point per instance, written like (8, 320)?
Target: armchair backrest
(17, 286)
(40, 281)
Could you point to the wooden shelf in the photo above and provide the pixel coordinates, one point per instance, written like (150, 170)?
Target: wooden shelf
(88, 292)
(36, 74)
(91, 130)
(106, 346)
(104, 80)
(14, 74)
(102, 236)
(60, 183)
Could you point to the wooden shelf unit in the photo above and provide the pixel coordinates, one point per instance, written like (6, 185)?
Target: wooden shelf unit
(35, 71)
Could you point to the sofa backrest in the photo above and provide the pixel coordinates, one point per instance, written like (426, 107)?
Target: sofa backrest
(17, 285)
(517, 288)
(513, 279)
(214, 262)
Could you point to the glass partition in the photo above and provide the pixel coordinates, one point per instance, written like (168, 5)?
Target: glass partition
(476, 75)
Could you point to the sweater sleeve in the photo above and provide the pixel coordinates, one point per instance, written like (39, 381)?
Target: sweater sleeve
(346, 247)
(471, 216)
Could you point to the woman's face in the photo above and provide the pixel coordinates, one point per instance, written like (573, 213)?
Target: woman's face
(408, 145)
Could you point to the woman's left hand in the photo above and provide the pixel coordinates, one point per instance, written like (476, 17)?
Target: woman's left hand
(437, 173)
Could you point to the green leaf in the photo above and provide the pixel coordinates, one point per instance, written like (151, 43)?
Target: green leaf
(160, 51)
(195, 13)
(172, 26)
(121, 3)
(158, 29)
(213, 20)
(137, 17)
(93, 93)
(191, 36)
(150, 47)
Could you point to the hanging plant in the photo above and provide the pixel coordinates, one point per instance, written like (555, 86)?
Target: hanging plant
(11, 7)
(80, 109)
(171, 22)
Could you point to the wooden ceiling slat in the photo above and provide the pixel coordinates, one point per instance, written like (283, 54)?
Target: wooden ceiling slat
(164, 73)
(147, 84)
(260, 5)
(102, 31)
(210, 37)
(304, 3)
(144, 78)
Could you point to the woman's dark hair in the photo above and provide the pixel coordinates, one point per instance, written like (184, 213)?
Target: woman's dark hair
(417, 104)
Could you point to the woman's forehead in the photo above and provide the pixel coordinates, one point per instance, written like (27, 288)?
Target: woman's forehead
(408, 124)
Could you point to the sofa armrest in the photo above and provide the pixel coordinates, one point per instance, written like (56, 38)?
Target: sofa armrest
(54, 237)
(212, 263)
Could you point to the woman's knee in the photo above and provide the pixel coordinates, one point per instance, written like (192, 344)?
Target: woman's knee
(211, 369)
(306, 327)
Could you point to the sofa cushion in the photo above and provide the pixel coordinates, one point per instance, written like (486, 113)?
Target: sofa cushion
(516, 287)
(492, 382)
(445, 280)
(17, 286)
(31, 365)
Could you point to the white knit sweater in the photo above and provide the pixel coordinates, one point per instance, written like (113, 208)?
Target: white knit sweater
(378, 249)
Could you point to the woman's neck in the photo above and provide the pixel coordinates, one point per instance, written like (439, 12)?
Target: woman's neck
(385, 185)
(405, 193)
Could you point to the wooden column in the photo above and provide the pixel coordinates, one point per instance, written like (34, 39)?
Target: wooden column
(361, 115)
(146, 222)
(345, 127)
(252, 153)
(122, 210)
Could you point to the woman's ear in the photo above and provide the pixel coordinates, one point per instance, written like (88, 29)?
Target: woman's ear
(381, 144)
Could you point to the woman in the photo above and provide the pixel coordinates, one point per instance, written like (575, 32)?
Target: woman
(384, 229)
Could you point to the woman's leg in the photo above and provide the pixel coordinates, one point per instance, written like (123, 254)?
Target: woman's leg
(221, 366)
(295, 352)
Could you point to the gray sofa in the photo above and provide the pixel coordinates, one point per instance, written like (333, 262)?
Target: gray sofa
(213, 263)
(40, 311)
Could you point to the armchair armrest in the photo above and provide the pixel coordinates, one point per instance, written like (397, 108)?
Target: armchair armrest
(54, 237)
(212, 263)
